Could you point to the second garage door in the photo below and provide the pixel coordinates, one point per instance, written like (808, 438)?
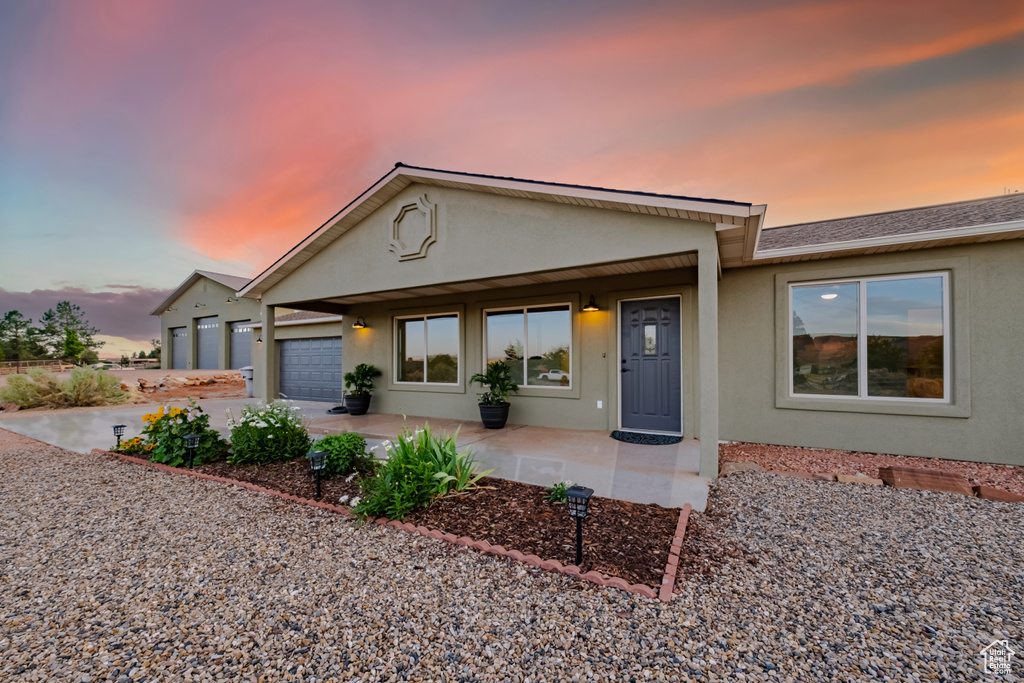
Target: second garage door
(241, 344)
(209, 342)
(311, 369)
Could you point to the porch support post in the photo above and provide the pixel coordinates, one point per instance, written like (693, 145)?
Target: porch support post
(707, 349)
(268, 382)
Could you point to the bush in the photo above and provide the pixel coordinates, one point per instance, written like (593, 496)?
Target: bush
(83, 388)
(419, 469)
(165, 431)
(268, 433)
(346, 453)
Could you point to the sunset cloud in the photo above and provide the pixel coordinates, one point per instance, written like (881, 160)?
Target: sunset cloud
(226, 132)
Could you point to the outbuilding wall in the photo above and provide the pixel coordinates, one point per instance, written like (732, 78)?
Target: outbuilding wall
(214, 299)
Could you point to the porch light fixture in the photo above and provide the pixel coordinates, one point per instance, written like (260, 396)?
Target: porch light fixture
(317, 462)
(359, 324)
(231, 300)
(259, 340)
(119, 432)
(578, 498)
(591, 305)
(172, 308)
(191, 444)
(829, 297)
(199, 306)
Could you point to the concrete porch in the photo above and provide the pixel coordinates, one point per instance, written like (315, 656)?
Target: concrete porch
(666, 475)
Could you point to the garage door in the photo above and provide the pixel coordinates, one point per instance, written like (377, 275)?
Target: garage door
(311, 369)
(209, 329)
(179, 348)
(241, 344)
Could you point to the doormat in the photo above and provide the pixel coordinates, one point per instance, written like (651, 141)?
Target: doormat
(337, 410)
(646, 439)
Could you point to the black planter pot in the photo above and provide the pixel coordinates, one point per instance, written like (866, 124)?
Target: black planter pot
(356, 404)
(494, 416)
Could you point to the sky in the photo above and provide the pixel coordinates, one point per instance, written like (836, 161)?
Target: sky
(142, 140)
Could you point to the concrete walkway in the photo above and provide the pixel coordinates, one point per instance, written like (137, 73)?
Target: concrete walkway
(666, 475)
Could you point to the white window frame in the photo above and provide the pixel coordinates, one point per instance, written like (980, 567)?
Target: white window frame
(862, 338)
(426, 349)
(526, 340)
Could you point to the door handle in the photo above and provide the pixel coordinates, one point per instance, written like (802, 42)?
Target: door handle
(625, 370)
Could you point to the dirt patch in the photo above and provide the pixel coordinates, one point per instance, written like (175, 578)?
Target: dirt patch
(628, 540)
(795, 459)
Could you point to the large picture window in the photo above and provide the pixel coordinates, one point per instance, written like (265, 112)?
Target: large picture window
(877, 338)
(536, 342)
(427, 349)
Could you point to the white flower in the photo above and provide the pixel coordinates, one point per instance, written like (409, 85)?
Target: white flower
(270, 436)
(350, 478)
(343, 499)
(355, 501)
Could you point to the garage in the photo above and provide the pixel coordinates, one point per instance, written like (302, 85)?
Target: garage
(208, 329)
(311, 369)
(240, 345)
(179, 348)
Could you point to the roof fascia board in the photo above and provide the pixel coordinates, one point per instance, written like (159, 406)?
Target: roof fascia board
(892, 240)
(308, 321)
(702, 206)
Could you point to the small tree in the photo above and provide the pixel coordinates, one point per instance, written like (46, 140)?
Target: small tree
(73, 347)
(155, 353)
(125, 361)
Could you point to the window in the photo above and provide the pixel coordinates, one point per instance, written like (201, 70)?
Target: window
(427, 349)
(535, 341)
(877, 338)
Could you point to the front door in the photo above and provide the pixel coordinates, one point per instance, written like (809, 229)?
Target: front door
(650, 365)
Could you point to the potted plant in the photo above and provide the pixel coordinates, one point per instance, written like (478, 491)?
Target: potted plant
(493, 404)
(360, 383)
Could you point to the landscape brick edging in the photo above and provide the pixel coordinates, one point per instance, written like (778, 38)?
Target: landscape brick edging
(465, 541)
(668, 582)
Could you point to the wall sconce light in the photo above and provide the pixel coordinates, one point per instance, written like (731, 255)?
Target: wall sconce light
(200, 306)
(359, 324)
(591, 305)
(259, 340)
(172, 308)
(231, 300)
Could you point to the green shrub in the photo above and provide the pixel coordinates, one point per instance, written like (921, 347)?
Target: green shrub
(498, 379)
(419, 468)
(83, 388)
(268, 433)
(165, 430)
(556, 492)
(346, 453)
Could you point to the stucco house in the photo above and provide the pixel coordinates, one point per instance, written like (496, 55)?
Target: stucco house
(894, 332)
(205, 325)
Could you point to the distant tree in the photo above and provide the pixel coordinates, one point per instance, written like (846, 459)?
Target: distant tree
(884, 353)
(155, 353)
(73, 346)
(89, 357)
(56, 323)
(125, 360)
(18, 339)
(135, 354)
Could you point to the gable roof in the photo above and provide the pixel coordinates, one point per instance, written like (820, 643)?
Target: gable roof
(233, 282)
(738, 221)
(985, 219)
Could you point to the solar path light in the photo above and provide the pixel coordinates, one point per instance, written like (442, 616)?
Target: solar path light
(191, 444)
(317, 462)
(119, 432)
(578, 498)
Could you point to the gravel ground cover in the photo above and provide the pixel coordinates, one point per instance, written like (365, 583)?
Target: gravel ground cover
(109, 571)
(795, 459)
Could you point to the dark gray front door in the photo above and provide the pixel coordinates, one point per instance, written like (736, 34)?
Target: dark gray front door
(179, 348)
(241, 344)
(650, 365)
(311, 369)
(209, 343)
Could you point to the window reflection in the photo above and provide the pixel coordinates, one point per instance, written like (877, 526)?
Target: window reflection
(905, 338)
(825, 339)
(535, 342)
(427, 349)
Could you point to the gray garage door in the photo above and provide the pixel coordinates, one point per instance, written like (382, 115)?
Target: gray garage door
(241, 344)
(311, 369)
(179, 348)
(209, 336)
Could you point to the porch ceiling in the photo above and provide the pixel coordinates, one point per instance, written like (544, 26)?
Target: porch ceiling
(666, 262)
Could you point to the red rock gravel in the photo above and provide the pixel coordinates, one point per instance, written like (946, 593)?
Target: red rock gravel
(795, 459)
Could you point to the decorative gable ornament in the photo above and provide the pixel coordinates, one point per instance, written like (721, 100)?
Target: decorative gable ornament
(413, 229)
